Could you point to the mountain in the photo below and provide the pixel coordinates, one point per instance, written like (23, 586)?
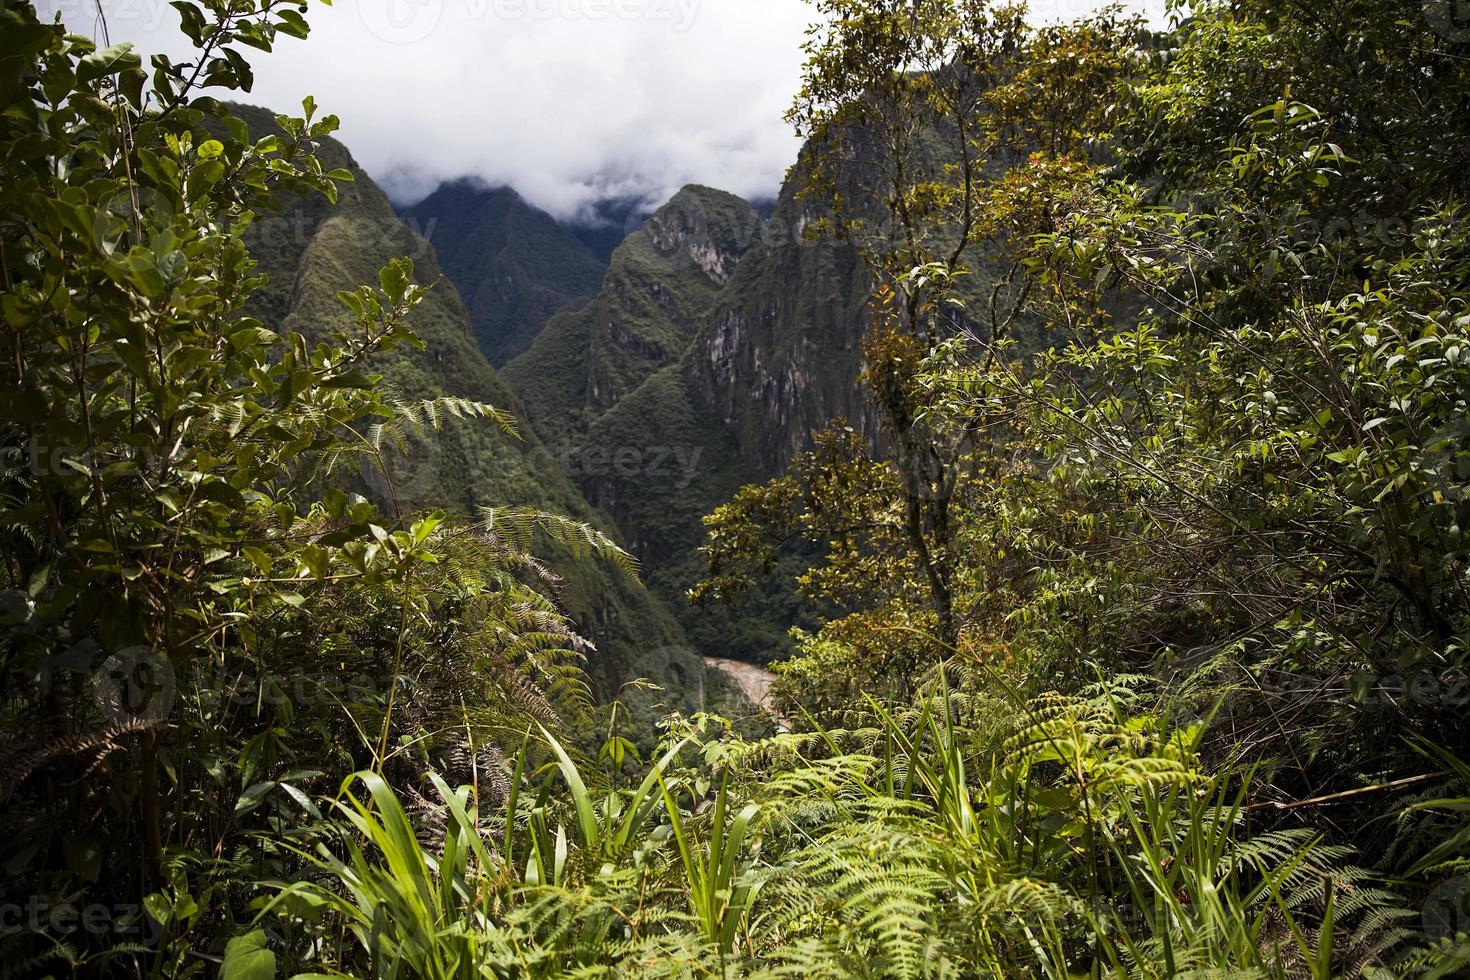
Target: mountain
(310, 249)
(718, 344)
(513, 264)
(660, 285)
(774, 359)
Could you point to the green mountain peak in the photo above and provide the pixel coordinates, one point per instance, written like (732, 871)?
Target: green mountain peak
(513, 263)
(657, 290)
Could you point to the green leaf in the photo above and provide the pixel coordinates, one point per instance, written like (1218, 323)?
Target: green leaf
(247, 958)
(253, 797)
(258, 558)
(294, 24)
(393, 280)
(108, 61)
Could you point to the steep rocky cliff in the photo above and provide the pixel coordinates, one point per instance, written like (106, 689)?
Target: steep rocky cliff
(777, 358)
(658, 290)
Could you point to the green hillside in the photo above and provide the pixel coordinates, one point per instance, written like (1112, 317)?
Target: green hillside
(310, 250)
(513, 264)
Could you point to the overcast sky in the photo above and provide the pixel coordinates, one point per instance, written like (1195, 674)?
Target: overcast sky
(567, 101)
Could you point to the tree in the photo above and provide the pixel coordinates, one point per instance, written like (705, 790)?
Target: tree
(176, 549)
(942, 133)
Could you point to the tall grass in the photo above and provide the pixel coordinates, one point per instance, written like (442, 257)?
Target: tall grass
(1086, 842)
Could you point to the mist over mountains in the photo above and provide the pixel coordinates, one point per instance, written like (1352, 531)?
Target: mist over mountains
(663, 359)
(572, 104)
(656, 363)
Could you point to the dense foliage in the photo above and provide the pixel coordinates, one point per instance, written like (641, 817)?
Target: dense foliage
(1141, 615)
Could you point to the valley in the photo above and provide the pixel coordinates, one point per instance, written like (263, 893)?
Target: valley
(459, 540)
(715, 345)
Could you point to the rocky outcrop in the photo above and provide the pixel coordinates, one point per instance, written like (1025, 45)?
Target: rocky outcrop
(710, 228)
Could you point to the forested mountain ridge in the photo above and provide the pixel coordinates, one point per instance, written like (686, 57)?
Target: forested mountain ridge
(310, 250)
(714, 366)
(658, 286)
(514, 265)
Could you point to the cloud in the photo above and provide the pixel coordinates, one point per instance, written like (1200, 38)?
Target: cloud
(567, 101)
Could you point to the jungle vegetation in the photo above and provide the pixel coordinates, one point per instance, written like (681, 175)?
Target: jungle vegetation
(1143, 610)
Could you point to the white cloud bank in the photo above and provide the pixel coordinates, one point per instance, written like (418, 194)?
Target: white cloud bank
(568, 101)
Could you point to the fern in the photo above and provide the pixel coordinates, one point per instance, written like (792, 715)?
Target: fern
(431, 415)
(518, 527)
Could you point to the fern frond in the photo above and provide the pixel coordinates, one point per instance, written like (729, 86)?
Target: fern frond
(518, 527)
